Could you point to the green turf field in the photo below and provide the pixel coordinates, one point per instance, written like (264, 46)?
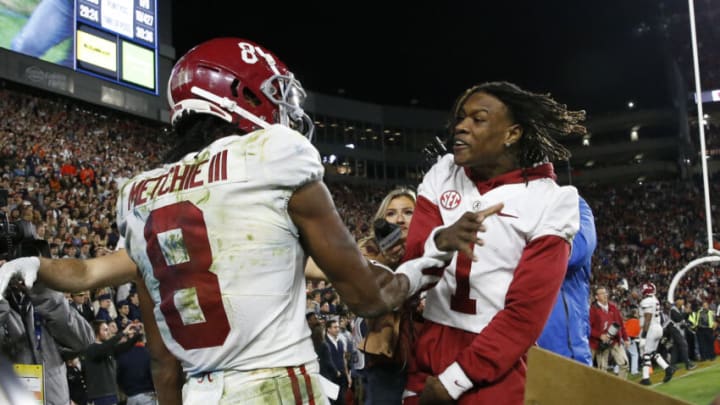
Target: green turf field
(699, 386)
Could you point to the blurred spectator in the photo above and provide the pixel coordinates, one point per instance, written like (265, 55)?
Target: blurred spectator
(134, 376)
(36, 327)
(327, 366)
(76, 381)
(703, 321)
(122, 319)
(632, 327)
(675, 329)
(100, 365)
(566, 331)
(337, 356)
(80, 302)
(103, 312)
(690, 335)
(134, 306)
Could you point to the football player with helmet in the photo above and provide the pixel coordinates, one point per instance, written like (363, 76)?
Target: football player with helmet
(217, 239)
(651, 334)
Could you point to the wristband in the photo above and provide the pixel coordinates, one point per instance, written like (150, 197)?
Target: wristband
(431, 249)
(455, 381)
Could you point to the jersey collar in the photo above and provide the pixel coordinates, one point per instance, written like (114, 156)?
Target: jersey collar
(541, 171)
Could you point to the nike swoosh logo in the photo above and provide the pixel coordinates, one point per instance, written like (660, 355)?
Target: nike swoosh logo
(502, 214)
(458, 384)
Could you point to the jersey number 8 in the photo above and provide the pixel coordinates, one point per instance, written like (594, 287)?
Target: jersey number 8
(193, 273)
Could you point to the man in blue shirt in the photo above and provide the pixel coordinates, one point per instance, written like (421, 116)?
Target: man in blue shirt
(566, 331)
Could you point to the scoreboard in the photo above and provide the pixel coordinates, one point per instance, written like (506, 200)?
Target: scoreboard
(117, 40)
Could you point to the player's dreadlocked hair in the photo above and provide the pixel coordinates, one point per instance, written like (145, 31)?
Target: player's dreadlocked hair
(193, 131)
(541, 118)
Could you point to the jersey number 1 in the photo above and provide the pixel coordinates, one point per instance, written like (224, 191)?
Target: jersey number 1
(461, 301)
(192, 273)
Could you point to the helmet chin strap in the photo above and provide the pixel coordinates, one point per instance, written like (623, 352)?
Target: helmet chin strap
(229, 105)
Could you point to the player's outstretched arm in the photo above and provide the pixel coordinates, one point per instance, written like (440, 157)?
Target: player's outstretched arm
(368, 289)
(70, 275)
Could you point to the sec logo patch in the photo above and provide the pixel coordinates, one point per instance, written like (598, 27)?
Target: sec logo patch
(450, 199)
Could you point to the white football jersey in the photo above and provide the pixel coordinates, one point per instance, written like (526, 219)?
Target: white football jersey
(472, 292)
(220, 254)
(651, 305)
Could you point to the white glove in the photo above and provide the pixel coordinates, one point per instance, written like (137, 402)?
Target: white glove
(26, 267)
(423, 272)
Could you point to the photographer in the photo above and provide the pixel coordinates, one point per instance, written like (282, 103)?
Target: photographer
(36, 325)
(607, 333)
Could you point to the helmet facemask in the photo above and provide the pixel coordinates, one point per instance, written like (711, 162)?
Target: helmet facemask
(288, 94)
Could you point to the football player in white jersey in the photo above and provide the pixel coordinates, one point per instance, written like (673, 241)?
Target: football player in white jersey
(651, 334)
(217, 240)
(493, 300)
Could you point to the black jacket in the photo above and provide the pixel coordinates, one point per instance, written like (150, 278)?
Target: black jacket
(100, 366)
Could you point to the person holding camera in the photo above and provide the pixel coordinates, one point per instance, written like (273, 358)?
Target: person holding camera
(386, 346)
(607, 333)
(134, 374)
(37, 325)
(383, 346)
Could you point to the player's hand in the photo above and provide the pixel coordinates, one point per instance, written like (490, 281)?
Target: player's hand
(463, 234)
(26, 267)
(423, 273)
(434, 393)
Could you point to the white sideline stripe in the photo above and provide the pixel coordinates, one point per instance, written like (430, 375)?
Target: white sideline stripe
(689, 373)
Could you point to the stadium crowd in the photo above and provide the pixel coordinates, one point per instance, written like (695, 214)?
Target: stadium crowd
(62, 163)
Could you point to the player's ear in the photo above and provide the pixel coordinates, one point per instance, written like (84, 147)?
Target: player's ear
(513, 134)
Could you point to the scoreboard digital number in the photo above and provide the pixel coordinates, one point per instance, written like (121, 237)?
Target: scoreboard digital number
(116, 40)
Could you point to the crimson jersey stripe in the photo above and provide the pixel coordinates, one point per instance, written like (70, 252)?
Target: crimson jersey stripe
(420, 227)
(295, 385)
(308, 385)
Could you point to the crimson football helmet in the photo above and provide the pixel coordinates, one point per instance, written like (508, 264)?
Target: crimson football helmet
(240, 82)
(648, 289)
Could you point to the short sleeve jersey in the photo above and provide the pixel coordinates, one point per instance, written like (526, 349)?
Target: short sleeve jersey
(220, 254)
